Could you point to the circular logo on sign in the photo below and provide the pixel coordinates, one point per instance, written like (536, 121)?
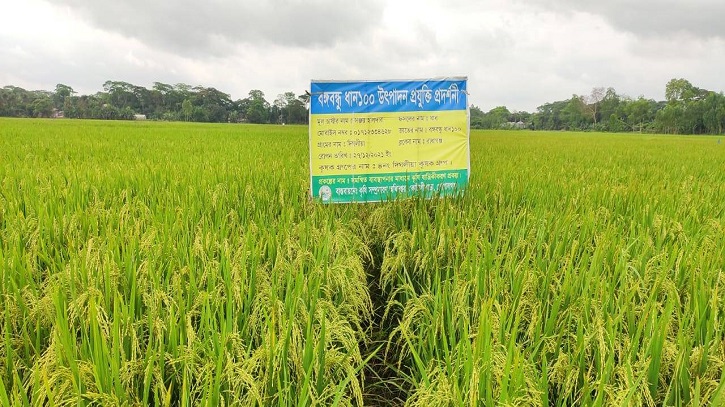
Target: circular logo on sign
(325, 193)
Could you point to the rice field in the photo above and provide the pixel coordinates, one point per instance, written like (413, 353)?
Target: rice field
(171, 264)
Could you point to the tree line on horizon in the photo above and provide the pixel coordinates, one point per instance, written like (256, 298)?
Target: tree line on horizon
(686, 110)
(180, 102)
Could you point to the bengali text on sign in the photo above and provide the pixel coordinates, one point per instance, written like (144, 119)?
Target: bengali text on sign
(373, 140)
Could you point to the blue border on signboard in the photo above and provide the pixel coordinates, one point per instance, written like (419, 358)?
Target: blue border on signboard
(335, 97)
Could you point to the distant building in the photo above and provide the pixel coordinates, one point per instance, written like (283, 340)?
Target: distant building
(139, 117)
(57, 114)
(515, 125)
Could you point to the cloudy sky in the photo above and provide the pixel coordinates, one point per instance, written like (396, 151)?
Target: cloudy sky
(517, 53)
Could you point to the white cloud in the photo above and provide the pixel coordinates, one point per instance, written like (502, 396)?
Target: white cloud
(520, 54)
(700, 18)
(199, 29)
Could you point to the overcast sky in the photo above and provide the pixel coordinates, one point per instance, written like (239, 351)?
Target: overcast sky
(518, 53)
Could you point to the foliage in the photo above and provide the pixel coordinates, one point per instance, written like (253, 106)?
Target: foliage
(498, 118)
(122, 100)
(686, 110)
(184, 264)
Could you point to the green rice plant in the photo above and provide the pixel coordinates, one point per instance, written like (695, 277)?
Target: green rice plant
(184, 264)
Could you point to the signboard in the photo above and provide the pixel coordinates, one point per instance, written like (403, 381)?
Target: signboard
(376, 140)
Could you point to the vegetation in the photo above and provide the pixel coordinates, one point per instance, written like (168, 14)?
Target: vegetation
(122, 100)
(686, 110)
(184, 264)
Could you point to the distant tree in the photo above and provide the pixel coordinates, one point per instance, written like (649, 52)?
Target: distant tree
(714, 116)
(187, 109)
(497, 117)
(640, 112)
(281, 107)
(13, 101)
(574, 116)
(62, 92)
(610, 105)
(686, 110)
(678, 90)
(120, 94)
(211, 105)
(591, 103)
(257, 108)
(477, 117)
(521, 116)
(144, 100)
(549, 116)
(668, 119)
(42, 107)
(293, 108)
(304, 98)
(18, 102)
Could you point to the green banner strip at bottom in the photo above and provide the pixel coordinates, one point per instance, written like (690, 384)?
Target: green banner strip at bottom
(382, 187)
